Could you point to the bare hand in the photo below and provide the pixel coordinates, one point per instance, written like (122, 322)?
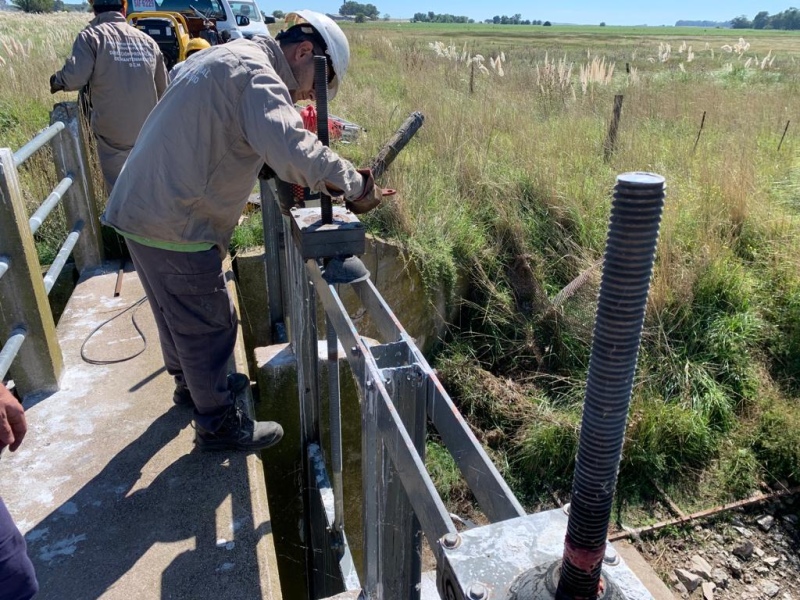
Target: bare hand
(13, 425)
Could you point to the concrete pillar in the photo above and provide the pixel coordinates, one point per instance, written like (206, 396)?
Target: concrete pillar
(23, 299)
(72, 159)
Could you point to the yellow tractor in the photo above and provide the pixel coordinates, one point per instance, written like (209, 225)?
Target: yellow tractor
(174, 30)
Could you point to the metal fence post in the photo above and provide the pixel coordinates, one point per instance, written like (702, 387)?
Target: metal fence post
(324, 578)
(401, 535)
(372, 456)
(273, 232)
(23, 298)
(72, 159)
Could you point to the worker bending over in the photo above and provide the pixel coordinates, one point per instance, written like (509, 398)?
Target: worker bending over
(187, 180)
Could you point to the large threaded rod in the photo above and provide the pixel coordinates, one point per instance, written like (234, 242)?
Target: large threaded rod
(627, 269)
(321, 98)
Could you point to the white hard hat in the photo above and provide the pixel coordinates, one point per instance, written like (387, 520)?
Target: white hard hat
(338, 48)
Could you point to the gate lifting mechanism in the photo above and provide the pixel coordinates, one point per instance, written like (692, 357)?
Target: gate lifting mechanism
(547, 555)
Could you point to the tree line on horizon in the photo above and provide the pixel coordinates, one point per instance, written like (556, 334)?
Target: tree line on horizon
(788, 19)
(46, 6)
(432, 17)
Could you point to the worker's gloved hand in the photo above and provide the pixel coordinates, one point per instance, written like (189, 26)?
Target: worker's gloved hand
(55, 87)
(370, 197)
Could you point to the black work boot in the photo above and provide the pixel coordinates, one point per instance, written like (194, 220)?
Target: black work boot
(237, 382)
(239, 432)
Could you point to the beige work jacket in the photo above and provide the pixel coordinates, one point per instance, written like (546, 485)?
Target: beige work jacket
(125, 72)
(197, 158)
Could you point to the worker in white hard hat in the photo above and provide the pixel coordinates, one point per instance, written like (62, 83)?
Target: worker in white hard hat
(228, 112)
(328, 39)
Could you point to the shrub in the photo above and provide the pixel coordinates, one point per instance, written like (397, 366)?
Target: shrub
(546, 453)
(666, 442)
(444, 473)
(739, 472)
(777, 443)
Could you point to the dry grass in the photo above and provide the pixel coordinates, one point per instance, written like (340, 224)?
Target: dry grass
(32, 47)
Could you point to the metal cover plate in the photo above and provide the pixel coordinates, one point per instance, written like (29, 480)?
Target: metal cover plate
(345, 236)
(496, 554)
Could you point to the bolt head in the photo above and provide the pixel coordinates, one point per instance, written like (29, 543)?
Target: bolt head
(477, 591)
(611, 557)
(451, 540)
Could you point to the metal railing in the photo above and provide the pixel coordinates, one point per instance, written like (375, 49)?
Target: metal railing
(31, 349)
(399, 395)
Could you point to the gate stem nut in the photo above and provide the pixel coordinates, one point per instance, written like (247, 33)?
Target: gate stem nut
(451, 540)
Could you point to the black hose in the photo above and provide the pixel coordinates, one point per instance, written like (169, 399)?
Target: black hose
(135, 307)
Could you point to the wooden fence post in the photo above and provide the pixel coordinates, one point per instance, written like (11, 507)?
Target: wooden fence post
(699, 131)
(72, 159)
(472, 77)
(611, 139)
(785, 129)
(23, 298)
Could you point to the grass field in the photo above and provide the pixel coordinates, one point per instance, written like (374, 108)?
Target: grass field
(507, 184)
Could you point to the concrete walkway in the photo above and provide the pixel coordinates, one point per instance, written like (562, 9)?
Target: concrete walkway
(112, 498)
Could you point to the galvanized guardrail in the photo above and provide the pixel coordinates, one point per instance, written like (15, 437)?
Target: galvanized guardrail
(37, 363)
(516, 556)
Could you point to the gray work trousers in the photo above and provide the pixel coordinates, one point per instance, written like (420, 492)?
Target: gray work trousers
(196, 323)
(17, 576)
(111, 160)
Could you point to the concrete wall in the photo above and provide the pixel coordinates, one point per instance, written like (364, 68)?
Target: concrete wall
(423, 314)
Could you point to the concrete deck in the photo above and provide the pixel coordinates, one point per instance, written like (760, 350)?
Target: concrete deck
(112, 498)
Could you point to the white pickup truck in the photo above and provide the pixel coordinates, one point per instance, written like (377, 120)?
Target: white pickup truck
(242, 16)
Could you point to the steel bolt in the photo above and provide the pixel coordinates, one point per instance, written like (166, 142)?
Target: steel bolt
(477, 591)
(451, 540)
(611, 557)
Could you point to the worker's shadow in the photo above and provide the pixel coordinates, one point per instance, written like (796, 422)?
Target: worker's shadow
(90, 543)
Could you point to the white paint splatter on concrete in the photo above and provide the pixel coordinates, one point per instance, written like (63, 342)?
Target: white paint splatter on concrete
(68, 508)
(39, 534)
(241, 522)
(65, 547)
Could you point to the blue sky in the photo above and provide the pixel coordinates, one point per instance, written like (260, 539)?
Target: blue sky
(591, 12)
